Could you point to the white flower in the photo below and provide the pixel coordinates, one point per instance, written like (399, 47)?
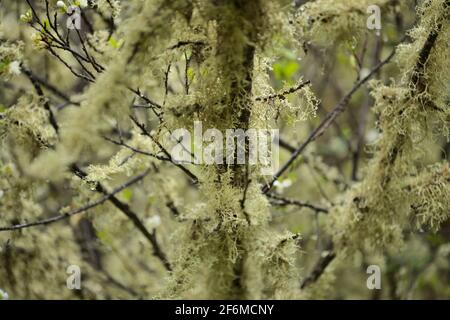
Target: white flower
(372, 136)
(14, 68)
(60, 4)
(3, 295)
(364, 73)
(153, 222)
(1, 193)
(83, 3)
(282, 185)
(26, 17)
(286, 183)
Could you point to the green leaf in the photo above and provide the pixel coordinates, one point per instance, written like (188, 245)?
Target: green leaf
(104, 237)
(190, 73)
(151, 199)
(285, 69)
(116, 44)
(297, 228)
(3, 66)
(127, 194)
(46, 24)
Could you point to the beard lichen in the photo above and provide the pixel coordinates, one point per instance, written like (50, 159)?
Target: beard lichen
(395, 188)
(226, 248)
(326, 22)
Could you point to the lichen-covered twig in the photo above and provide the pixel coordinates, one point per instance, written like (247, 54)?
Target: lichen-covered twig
(81, 209)
(282, 95)
(326, 257)
(329, 119)
(124, 208)
(168, 155)
(280, 201)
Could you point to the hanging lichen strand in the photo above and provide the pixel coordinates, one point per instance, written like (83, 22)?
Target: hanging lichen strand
(227, 250)
(397, 188)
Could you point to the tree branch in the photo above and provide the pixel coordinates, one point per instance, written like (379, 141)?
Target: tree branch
(81, 209)
(280, 201)
(318, 131)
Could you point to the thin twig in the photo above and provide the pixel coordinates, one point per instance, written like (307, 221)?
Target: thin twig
(81, 209)
(125, 209)
(145, 153)
(319, 130)
(282, 95)
(47, 85)
(37, 87)
(146, 133)
(280, 201)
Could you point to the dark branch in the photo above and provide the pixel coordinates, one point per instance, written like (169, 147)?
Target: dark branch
(329, 119)
(280, 201)
(82, 209)
(325, 259)
(283, 94)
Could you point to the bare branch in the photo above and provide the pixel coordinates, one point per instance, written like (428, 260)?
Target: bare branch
(326, 257)
(280, 201)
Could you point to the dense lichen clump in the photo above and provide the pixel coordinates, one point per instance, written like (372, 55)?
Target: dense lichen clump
(223, 237)
(30, 133)
(227, 251)
(396, 187)
(328, 21)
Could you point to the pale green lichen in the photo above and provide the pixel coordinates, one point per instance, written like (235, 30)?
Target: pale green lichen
(376, 210)
(328, 21)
